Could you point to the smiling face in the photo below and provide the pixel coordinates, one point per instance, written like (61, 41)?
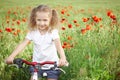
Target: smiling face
(42, 20)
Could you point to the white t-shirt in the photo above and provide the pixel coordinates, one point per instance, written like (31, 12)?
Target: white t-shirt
(44, 47)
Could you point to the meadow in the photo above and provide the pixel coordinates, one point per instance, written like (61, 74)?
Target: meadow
(89, 31)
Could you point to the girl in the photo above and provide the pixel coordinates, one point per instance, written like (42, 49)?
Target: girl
(43, 32)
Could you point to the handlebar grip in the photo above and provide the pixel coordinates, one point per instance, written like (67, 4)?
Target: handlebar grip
(18, 61)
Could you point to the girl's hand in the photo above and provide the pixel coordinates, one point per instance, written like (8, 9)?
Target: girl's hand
(9, 60)
(62, 62)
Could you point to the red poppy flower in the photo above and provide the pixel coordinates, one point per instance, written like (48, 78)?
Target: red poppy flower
(0, 30)
(15, 33)
(96, 19)
(69, 25)
(18, 22)
(63, 46)
(63, 28)
(75, 21)
(109, 13)
(113, 17)
(63, 12)
(85, 19)
(8, 29)
(65, 43)
(88, 27)
(62, 20)
(83, 31)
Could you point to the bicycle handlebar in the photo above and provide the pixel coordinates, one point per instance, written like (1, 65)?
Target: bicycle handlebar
(20, 62)
(35, 63)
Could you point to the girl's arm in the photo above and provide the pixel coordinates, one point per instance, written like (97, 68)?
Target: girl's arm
(18, 49)
(61, 52)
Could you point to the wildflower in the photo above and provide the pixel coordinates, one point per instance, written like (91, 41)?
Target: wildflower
(114, 21)
(63, 28)
(7, 21)
(88, 27)
(68, 46)
(0, 30)
(68, 14)
(15, 33)
(75, 21)
(24, 20)
(18, 22)
(63, 12)
(63, 46)
(62, 20)
(96, 19)
(109, 13)
(65, 43)
(113, 17)
(83, 31)
(18, 31)
(8, 29)
(69, 25)
(85, 19)
(7, 17)
(77, 25)
(69, 38)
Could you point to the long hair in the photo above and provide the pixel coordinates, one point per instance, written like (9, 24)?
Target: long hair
(54, 23)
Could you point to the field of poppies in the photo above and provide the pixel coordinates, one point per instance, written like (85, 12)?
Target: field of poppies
(89, 31)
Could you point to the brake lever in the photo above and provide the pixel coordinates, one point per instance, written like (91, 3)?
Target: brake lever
(18, 62)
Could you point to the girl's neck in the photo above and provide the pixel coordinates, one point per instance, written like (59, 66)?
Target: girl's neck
(42, 32)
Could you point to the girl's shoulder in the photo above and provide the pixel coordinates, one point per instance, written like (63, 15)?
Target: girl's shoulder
(54, 31)
(32, 31)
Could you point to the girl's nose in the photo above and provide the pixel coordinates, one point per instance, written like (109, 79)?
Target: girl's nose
(41, 23)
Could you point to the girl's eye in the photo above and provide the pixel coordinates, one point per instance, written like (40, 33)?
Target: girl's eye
(38, 20)
(45, 20)
(42, 20)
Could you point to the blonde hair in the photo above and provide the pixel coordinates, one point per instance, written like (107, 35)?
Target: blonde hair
(54, 23)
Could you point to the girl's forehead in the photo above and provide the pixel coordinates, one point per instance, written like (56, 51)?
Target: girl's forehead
(42, 13)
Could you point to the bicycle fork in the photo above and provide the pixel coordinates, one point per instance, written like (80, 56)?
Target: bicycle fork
(35, 75)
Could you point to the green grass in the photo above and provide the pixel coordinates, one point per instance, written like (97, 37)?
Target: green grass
(94, 55)
(76, 3)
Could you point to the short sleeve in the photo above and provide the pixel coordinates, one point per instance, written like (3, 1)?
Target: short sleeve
(29, 36)
(55, 34)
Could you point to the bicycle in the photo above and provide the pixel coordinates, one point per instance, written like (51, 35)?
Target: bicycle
(37, 66)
